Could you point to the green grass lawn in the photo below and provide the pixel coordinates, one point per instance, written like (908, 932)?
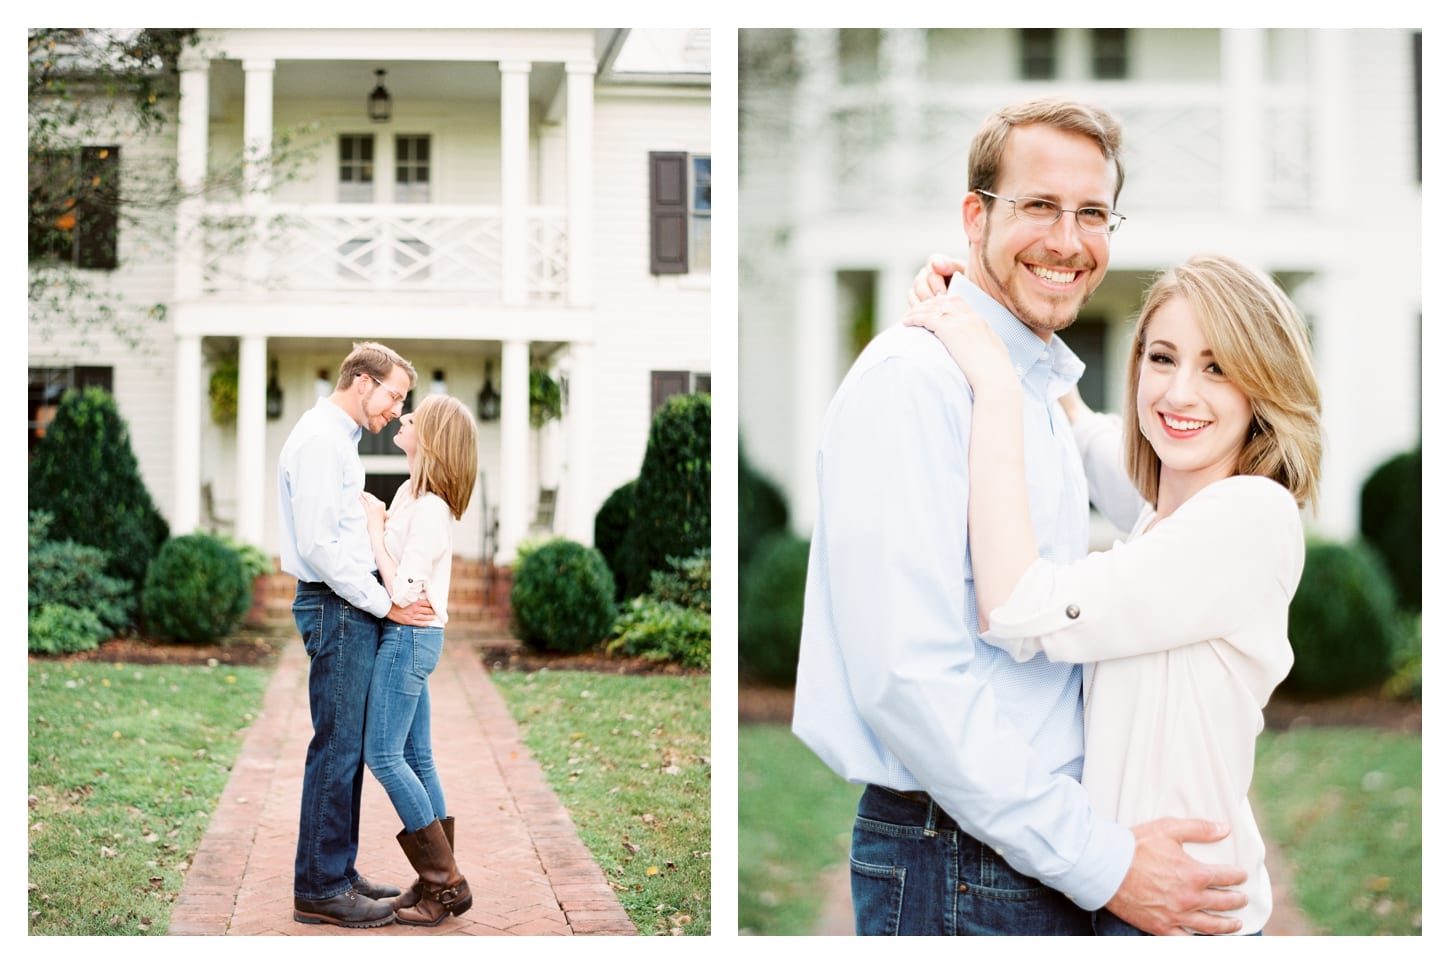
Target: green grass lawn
(126, 764)
(629, 758)
(1342, 804)
(795, 823)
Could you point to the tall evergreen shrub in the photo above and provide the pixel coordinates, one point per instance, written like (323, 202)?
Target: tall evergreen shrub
(762, 508)
(1342, 621)
(1392, 521)
(84, 473)
(672, 493)
(611, 529)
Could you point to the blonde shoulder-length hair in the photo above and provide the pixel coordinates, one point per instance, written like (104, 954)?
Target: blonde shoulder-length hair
(446, 461)
(1261, 343)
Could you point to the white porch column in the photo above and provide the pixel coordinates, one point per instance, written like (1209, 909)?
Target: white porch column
(903, 58)
(514, 168)
(257, 157)
(251, 475)
(186, 458)
(1245, 118)
(816, 350)
(580, 148)
(579, 477)
(191, 139)
(514, 498)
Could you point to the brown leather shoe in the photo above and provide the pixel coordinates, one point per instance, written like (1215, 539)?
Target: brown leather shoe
(349, 909)
(376, 891)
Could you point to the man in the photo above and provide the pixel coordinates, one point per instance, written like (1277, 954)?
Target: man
(974, 820)
(337, 609)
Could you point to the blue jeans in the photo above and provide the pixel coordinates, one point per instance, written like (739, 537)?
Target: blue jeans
(914, 871)
(341, 642)
(397, 744)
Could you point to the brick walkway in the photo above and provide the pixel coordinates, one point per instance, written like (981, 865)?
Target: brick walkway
(515, 843)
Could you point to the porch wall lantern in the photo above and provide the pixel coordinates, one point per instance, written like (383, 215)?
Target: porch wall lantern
(274, 395)
(380, 102)
(488, 398)
(439, 385)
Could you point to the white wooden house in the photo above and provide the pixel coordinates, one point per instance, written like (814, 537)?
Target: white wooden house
(1297, 150)
(510, 200)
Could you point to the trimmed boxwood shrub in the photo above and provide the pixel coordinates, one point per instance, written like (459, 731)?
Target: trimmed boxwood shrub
(772, 603)
(562, 597)
(72, 575)
(763, 510)
(56, 628)
(1342, 621)
(196, 590)
(85, 475)
(672, 493)
(611, 528)
(1391, 520)
(664, 631)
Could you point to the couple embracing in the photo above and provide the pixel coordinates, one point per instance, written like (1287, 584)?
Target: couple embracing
(1055, 741)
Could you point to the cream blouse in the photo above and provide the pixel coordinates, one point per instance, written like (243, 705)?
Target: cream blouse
(419, 536)
(1185, 628)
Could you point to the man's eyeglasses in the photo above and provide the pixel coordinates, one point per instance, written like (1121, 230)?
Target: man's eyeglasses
(396, 397)
(1040, 211)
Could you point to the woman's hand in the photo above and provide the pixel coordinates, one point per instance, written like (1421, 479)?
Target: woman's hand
(976, 348)
(933, 278)
(377, 512)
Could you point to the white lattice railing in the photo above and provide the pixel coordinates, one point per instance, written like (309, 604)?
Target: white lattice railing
(375, 247)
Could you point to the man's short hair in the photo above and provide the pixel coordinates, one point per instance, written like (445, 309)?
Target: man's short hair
(375, 361)
(984, 164)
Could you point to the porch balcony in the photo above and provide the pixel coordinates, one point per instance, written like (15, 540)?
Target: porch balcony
(332, 250)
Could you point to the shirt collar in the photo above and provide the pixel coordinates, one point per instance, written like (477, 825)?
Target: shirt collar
(344, 421)
(1060, 367)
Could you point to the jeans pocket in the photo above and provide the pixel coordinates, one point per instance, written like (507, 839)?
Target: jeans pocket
(427, 650)
(878, 876)
(307, 614)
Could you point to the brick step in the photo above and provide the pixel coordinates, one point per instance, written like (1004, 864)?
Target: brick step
(477, 594)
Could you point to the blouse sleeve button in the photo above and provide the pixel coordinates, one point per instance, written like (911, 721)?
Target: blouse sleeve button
(1073, 612)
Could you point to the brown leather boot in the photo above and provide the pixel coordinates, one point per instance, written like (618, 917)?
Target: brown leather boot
(413, 894)
(444, 889)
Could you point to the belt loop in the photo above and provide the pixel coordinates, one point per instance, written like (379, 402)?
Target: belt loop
(931, 812)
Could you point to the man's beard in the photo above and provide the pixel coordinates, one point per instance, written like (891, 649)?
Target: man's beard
(1032, 319)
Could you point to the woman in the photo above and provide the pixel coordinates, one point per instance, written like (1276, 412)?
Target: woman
(413, 546)
(1185, 623)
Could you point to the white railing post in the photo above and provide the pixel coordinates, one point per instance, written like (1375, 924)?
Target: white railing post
(514, 172)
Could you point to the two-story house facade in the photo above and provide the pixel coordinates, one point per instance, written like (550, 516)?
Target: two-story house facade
(489, 203)
(1296, 150)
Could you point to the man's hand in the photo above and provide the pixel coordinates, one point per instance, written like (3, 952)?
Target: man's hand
(933, 278)
(419, 613)
(1168, 892)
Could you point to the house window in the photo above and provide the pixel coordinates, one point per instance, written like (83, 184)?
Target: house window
(665, 385)
(1038, 53)
(1088, 339)
(75, 204)
(411, 161)
(1110, 53)
(679, 193)
(355, 168)
(47, 385)
(859, 51)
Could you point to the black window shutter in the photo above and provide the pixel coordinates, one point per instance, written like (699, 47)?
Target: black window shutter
(97, 220)
(669, 213)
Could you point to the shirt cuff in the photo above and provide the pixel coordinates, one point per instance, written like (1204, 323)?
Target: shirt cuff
(1095, 878)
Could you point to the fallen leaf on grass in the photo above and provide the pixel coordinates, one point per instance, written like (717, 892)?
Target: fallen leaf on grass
(652, 872)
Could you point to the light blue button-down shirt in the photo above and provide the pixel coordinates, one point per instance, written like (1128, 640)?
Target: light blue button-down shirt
(324, 526)
(894, 686)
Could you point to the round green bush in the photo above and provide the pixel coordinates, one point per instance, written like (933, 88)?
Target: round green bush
(57, 628)
(763, 510)
(84, 473)
(672, 493)
(1391, 520)
(611, 527)
(1342, 621)
(772, 603)
(196, 590)
(562, 597)
(74, 575)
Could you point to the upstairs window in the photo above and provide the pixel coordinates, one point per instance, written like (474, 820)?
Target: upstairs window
(75, 201)
(411, 162)
(1110, 53)
(355, 168)
(1038, 53)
